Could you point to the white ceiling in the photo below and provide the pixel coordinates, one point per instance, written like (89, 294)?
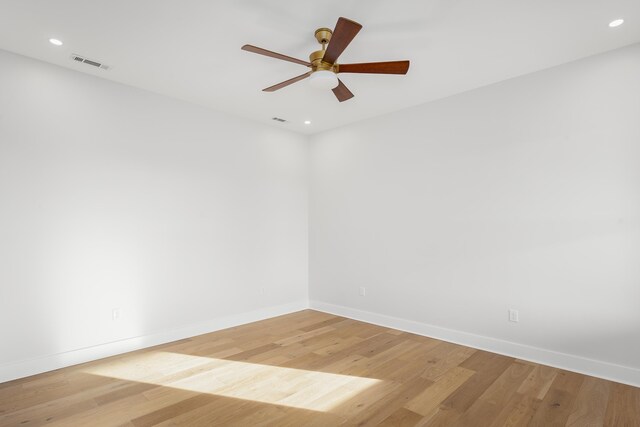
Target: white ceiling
(190, 49)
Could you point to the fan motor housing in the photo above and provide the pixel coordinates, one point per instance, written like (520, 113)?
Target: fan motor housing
(317, 63)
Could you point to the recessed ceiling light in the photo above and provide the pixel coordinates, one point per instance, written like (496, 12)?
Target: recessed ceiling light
(307, 122)
(55, 42)
(616, 23)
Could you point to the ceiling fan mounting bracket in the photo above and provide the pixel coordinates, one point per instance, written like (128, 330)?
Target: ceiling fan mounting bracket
(323, 35)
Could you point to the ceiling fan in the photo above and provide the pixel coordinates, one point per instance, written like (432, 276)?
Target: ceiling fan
(324, 68)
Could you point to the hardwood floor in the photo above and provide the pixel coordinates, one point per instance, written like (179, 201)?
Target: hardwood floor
(315, 369)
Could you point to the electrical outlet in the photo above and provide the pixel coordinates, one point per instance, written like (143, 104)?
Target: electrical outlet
(116, 313)
(514, 315)
(363, 291)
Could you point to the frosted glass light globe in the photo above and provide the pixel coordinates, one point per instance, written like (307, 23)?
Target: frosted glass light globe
(323, 79)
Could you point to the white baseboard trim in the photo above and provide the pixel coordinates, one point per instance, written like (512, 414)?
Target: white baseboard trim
(569, 362)
(25, 368)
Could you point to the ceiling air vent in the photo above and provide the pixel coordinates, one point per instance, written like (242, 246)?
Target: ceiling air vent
(79, 58)
(278, 119)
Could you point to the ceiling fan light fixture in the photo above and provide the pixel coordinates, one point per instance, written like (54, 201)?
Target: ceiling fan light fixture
(323, 79)
(323, 65)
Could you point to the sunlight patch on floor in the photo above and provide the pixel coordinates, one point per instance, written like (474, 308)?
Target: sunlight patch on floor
(317, 391)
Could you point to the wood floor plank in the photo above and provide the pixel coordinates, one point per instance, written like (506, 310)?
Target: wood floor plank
(334, 321)
(123, 393)
(491, 403)
(538, 382)
(444, 357)
(402, 417)
(442, 417)
(623, 408)
(315, 369)
(487, 367)
(427, 402)
(501, 390)
(171, 411)
(304, 335)
(556, 407)
(517, 412)
(379, 410)
(220, 411)
(590, 405)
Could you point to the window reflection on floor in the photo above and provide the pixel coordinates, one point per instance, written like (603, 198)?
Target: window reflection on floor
(318, 391)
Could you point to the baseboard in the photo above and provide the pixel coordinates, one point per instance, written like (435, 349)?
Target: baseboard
(605, 370)
(569, 362)
(25, 368)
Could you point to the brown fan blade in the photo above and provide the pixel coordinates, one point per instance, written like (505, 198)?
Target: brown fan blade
(344, 32)
(342, 92)
(265, 52)
(391, 67)
(287, 82)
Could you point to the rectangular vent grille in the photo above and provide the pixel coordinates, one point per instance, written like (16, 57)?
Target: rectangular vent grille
(278, 119)
(82, 59)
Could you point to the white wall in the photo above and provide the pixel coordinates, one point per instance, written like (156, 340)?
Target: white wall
(524, 194)
(115, 197)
